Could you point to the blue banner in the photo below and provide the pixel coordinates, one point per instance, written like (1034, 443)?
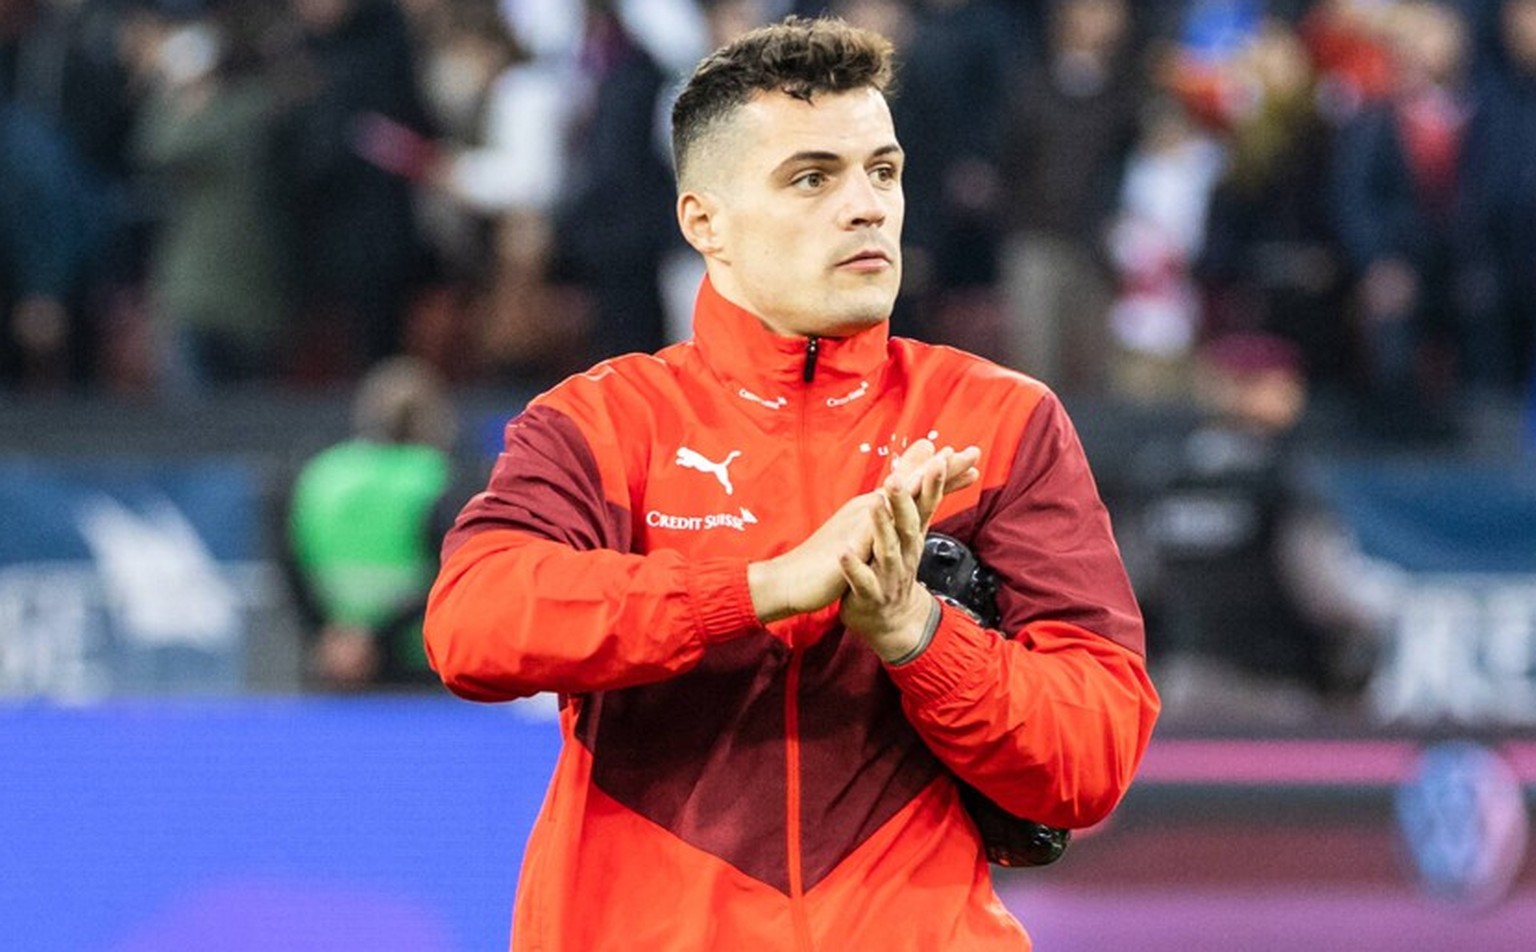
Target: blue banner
(123, 577)
(1435, 563)
(386, 824)
(1441, 517)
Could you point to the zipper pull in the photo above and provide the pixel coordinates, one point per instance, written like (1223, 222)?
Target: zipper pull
(812, 348)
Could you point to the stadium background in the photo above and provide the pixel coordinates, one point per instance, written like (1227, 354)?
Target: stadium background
(168, 782)
(180, 791)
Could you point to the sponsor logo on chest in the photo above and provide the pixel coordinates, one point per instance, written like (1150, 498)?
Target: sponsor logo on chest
(720, 470)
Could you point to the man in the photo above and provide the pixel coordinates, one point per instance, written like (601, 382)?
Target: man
(361, 525)
(51, 216)
(1398, 201)
(710, 555)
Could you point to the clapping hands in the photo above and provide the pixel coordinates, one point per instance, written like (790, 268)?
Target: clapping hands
(884, 604)
(867, 552)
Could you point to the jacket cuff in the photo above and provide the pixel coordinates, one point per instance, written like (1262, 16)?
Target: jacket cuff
(720, 599)
(957, 654)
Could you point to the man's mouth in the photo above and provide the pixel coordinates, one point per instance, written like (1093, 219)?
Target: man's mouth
(866, 258)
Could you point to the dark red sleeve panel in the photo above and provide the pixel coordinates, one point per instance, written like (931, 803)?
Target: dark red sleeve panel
(1047, 534)
(537, 590)
(1053, 723)
(545, 483)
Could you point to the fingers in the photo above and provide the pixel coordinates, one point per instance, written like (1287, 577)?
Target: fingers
(894, 523)
(896, 546)
(958, 467)
(910, 516)
(945, 472)
(907, 468)
(898, 533)
(853, 522)
(808, 577)
(883, 599)
(961, 470)
(860, 578)
(869, 579)
(932, 489)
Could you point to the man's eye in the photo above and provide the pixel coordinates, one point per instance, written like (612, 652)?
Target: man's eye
(887, 175)
(810, 180)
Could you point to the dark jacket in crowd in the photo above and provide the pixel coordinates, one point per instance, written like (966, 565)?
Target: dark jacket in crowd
(353, 215)
(616, 221)
(54, 217)
(955, 70)
(1499, 163)
(1064, 152)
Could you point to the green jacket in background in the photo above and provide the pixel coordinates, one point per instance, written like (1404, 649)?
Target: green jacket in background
(361, 528)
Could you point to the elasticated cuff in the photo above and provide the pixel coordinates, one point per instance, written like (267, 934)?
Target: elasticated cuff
(956, 655)
(721, 599)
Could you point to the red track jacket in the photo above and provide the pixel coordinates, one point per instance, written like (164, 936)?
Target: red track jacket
(726, 785)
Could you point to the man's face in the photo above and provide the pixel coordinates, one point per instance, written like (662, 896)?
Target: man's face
(798, 211)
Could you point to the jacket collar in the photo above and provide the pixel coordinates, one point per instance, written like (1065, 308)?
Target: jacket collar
(742, 350)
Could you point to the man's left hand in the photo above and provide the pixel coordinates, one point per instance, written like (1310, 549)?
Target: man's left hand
(885, 605)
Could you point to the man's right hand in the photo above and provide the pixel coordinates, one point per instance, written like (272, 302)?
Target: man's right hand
(810, 576)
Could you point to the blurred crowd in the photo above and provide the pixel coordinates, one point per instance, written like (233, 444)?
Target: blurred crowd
(1145, 201)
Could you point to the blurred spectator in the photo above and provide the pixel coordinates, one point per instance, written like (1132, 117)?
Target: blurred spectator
(357, 142)
(217, 282)
(1350, 47)
(504, 118)
(615, 223)
(954, 60)
(363, 527)
(59, 59)
(1268, 263)
(1232, 643)
(52, 218)
(67, 103)
(1499, 175)
(1396, 193)
(462, 48)
(1072, 121)
(1157, 318)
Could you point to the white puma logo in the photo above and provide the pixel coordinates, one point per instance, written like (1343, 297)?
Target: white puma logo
(691, 459)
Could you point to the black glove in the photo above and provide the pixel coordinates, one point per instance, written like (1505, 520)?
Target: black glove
(952, 573)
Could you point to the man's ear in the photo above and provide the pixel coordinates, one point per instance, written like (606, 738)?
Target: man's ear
(697, 217)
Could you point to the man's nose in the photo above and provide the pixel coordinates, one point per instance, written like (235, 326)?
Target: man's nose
(864, 205)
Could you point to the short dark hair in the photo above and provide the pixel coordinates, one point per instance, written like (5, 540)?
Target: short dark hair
(799, 57)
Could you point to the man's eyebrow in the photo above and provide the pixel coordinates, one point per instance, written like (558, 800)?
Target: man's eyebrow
(821, 157)
(808, 156)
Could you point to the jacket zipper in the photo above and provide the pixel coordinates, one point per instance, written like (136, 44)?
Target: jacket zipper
(792, 831)
(792, 827)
